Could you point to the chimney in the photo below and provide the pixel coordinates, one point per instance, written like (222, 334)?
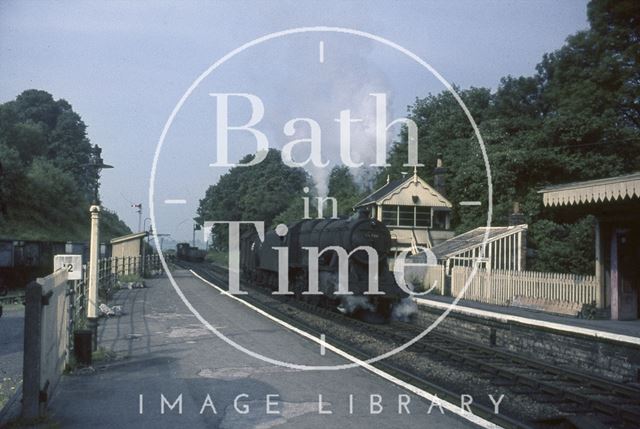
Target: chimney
(516, 218)
(439, 176)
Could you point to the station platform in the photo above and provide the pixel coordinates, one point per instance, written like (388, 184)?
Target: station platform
(158, 349)
(627, 332)
(606, 348)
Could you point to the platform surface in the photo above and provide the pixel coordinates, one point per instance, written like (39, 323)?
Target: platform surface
(162, 349)
(615, 330)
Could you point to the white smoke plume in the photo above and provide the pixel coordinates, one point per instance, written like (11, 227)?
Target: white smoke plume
(345, 80)
(403, 310)
(350, 304)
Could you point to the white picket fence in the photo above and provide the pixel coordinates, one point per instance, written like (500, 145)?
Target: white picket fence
(503, 287)
(434, 280)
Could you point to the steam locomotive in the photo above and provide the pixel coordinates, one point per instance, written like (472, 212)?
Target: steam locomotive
(259, 263)
(186, 252)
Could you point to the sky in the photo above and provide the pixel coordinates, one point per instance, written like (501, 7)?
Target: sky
(125, 65)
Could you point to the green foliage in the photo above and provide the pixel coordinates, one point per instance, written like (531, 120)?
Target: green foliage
(577, 118)
(344, 189)
(130, 278)
(217, 257)
(38, 126)
(263, 192)
(111, 225)
(294, 212)
(45, 186)
(563, 248)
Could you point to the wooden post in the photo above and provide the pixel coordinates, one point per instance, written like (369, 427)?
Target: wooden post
(600, 293)
(31, 366)
(92, 292)
(518, 252)
(92, 301)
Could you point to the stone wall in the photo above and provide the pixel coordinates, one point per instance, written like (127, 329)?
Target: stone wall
(606, 358)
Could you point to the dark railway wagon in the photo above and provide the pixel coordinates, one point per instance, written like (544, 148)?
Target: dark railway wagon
(186, 252)
(22, 261)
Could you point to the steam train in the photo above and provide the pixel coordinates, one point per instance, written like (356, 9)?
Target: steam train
(186, 252)
(259, 264)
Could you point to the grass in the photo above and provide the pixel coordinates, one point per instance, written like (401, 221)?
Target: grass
(217, 257)
(99, 356)
(103, 355)
(129, 278)
(44, 422)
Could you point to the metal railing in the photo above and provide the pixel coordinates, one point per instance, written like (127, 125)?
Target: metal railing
(54, 308)
(110, 270)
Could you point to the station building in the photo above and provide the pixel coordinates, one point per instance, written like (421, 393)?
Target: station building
(128, 248)
(615, 203)
(416, 213)
(131, 245)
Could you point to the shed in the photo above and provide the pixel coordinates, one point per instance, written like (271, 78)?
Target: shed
(130, 245)
(615, 202)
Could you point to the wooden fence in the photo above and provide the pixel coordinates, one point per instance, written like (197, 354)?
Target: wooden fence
(511, 287)
(54, 308)
(46, 346)
(434, 280)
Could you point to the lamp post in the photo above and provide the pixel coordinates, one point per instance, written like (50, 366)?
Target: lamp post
(144, 224)
(95, 166)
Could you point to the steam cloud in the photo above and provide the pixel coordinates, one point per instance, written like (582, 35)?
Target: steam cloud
(344, 81)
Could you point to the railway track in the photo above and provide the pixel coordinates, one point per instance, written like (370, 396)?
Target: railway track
(575, 394)
(582, 400)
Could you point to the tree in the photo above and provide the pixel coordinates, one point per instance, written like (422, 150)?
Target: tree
(577, 118)
(11, 177)
(36, 125)
(343, 188)
(45, 186)
(258, 193)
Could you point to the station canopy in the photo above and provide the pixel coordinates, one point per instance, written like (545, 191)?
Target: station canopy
(611, 189)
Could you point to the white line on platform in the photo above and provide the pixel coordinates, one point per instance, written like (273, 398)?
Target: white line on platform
(322, 51)
(410, 387)
(532, 322)
(470, 203)
(322, 343)
(175, 201)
